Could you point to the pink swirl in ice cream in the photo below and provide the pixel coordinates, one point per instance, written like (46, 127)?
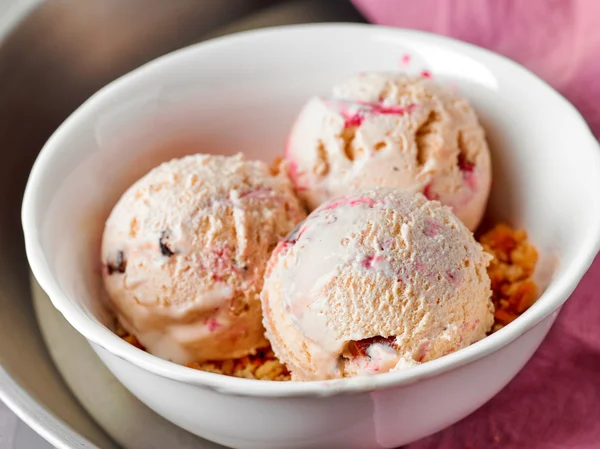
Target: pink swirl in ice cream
(389, 129)
(184, 253)
(377, 280)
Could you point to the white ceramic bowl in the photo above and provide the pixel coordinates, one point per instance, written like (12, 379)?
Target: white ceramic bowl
(241, 93)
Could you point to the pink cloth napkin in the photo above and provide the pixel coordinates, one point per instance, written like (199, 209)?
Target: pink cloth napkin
(555, 401)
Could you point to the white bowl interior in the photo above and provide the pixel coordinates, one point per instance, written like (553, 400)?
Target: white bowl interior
(242, 94)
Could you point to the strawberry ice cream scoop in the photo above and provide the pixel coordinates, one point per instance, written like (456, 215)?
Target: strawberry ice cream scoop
(375, 281)
(390, 129)
(184, 253)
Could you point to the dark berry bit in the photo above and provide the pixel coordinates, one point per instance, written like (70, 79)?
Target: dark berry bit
(359, 348)
(427, 191)
(466, 166)
(119, 265)
(164, 243)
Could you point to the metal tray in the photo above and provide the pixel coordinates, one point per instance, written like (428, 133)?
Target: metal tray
(53, 57)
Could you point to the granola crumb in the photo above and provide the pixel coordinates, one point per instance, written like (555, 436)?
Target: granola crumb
(261, 366)
(132, 340)
(513, 292)
(278, 166)
(511, 271)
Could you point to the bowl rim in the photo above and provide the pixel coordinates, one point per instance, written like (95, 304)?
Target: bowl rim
(561, 287)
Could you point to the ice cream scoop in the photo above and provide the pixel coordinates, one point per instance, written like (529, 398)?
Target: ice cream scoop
(184, 253)
(394, 130)
(374, 281)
